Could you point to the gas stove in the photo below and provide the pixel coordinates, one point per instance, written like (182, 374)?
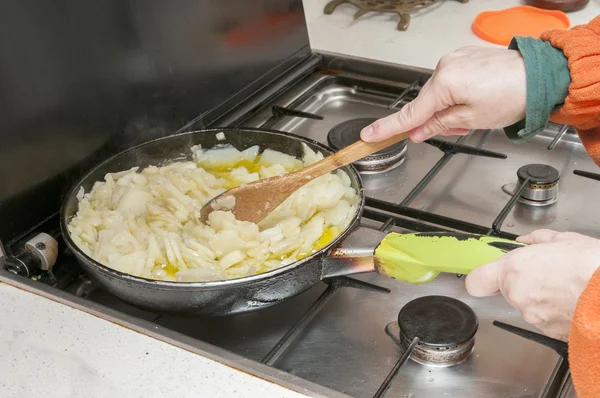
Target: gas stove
(369, 336)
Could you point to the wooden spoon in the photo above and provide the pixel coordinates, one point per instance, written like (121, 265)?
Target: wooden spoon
(255, 201)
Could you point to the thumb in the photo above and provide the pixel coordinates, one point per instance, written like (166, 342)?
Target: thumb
(484, 280)
(411, 116)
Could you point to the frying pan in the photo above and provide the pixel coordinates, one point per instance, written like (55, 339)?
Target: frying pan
(349, 253)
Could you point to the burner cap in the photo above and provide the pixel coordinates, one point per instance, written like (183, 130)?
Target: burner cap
(540, 174)
(438, 321)
(348, 132)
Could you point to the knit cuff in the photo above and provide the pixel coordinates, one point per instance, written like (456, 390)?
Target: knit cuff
(548, 82)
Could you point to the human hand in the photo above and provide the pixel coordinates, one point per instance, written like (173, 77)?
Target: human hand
(543, 280)
(472, 88)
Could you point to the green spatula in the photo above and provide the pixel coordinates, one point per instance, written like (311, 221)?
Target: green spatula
(420, 258)
(415, 258)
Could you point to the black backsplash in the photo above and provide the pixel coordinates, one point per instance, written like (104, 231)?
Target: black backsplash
(81, 80)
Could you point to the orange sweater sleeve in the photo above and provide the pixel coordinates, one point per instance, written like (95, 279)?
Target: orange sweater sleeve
(581, 46)
(584, 341)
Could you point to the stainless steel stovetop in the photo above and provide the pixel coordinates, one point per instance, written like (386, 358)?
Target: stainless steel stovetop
(335, 336)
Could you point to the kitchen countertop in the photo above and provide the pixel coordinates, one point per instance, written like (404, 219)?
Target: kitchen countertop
(44, 353)
(432, 33)
(41, 343)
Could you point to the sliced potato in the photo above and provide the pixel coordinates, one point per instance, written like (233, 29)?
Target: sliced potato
(145, 222)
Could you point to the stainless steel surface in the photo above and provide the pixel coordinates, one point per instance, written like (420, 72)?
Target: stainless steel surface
(544, 195)
(82, 80)
(345, 346)
(467, 188)
(452, 192)
(534, 197)
(45, 247)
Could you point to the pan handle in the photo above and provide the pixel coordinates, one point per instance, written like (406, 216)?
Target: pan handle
(414, 258)
(355, 255)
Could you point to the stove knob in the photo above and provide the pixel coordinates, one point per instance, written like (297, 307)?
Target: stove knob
(38, 254)
(45, 248)
(24, 264)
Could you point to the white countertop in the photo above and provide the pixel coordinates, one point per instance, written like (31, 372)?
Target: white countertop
(434, 32)
(53, 350)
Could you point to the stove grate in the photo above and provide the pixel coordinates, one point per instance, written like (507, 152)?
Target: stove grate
(561, 133)
(587, 174)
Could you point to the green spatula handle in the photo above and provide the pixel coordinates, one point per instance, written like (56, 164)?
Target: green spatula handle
(420, 257)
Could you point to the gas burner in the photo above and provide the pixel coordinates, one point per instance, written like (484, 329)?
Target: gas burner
(542, 189)
(401, 7)
(445, 327)
(348, 132)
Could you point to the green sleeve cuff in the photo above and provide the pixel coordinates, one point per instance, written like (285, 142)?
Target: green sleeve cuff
(548, 81)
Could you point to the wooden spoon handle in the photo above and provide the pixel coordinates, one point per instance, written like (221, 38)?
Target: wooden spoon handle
(350, 154)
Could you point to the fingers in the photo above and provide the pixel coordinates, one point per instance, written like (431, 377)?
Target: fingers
(547, 236)
(411, 116)
(559, 331)
(539, 236)
(484, 281)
